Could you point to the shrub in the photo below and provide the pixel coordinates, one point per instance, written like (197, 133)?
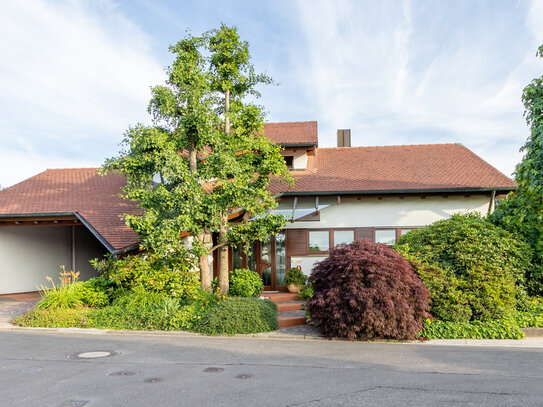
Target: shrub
(186, 318)
(245, 283)
(147, 272)
(447, 301)
(296, 277)
(492, 329)
(140, 299)
(306, 293)
(238, 315)
(366, 290)
(56, 318)
(71, 293)
(488, 263)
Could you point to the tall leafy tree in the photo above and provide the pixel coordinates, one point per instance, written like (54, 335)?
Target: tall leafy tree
(234, 78)
(161, 164)
(523, 212)
(204, 157)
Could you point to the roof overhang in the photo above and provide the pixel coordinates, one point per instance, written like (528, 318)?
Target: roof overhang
(460, 190)
(61, 219)
(298, 145)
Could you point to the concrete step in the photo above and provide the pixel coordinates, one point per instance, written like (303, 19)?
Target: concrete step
(290, 321)
(288, 306)
(281, 297)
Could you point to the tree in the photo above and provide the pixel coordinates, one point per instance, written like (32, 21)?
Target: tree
(208, 160)
(522, 213)
(233, 77)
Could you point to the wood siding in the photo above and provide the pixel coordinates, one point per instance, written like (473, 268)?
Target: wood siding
(363, 234)
(297, 242)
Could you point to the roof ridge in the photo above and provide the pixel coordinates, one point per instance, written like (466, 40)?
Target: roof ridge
(393, 145)
(295, 122)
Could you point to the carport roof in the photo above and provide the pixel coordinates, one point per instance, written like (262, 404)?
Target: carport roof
(93, 198)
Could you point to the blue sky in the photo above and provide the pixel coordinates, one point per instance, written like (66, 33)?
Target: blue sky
(74, 75)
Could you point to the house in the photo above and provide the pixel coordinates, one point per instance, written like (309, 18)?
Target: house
(340, 194)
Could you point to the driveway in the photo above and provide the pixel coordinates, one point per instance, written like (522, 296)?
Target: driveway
(16, 304)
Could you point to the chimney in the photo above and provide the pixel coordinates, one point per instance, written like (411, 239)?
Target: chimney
(344, 138)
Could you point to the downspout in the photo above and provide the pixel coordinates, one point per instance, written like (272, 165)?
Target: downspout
(491, 204)
(73, 248)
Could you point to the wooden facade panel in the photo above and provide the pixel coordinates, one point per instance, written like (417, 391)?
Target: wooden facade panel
(297, 243)
(363, 234)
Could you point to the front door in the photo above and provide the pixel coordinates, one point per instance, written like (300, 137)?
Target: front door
(267, 259)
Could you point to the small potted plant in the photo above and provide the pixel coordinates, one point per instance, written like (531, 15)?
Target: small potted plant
(295, 280)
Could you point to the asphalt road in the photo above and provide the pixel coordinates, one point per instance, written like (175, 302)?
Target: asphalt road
(39, 369)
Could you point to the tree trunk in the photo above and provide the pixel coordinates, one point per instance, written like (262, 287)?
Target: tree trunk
(223, 256)
(193, 158)
(227, 111)
(205, 277)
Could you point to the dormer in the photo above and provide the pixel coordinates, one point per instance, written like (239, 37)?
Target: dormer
(298, 139)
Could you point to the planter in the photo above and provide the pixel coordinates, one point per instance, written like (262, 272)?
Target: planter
(293, 288)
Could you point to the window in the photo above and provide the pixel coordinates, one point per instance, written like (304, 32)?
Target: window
(289, 161)
(343, 237)
(404, 231)
(319, 240)
(387, 236)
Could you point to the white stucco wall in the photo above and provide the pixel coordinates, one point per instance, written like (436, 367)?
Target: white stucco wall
(30, 253)
(299, 161)
(392, 212)
(386, 212)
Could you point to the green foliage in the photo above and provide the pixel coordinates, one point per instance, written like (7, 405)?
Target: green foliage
(295, 276)
(145, 272)
(56, 318)
(239, 315)
(448, 302)
(186, 318)
(307, 292)
(189, 116)
(71, 293)
(492, 329)
(245, 283)
(522, 213)
(488, 263)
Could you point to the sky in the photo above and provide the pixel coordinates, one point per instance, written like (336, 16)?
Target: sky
(75, 75)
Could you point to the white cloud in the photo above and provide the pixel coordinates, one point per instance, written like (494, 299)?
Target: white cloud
(73, 76)
(402, 73)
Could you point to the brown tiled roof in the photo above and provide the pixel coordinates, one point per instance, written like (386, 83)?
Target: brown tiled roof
(415, 168)
(82, 190)
(294, 133)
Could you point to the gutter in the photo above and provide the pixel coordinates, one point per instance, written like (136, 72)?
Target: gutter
(292, 145)
(34, 215)
(398, 191)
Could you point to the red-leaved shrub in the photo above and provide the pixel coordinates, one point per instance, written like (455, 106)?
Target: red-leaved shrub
(366, 290)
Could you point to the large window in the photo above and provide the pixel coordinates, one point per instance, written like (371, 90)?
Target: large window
(343, 237)
(387, 236)
(319, 240)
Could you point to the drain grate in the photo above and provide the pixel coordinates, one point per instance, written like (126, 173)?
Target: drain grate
(94, 354)
(244, 376)
(214, 370)
(123, 373)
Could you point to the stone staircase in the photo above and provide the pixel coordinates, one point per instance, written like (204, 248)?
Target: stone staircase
(289, 312)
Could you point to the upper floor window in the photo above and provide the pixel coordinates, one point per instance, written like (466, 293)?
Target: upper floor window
(289, 161)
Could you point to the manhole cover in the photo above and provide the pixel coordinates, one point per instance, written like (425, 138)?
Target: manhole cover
(214, 370)
(153, 380)
(92, 354)
(74, 403)
(122, 373)
(31, 369)
(244, 376)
